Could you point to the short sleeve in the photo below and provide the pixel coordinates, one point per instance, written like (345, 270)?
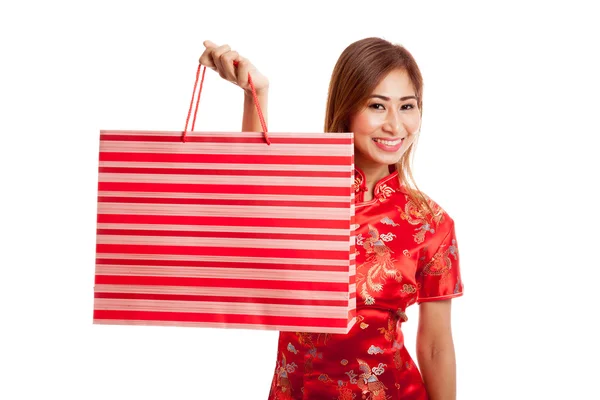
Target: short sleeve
(438, 271)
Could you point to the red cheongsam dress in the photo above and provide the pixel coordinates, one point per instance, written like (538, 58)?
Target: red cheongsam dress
(403, 257)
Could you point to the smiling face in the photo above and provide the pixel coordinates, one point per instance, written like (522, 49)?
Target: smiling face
(388, 123)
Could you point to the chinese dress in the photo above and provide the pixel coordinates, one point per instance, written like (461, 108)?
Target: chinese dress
(402, 257)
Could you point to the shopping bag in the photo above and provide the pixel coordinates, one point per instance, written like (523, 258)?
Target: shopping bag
(244, 230)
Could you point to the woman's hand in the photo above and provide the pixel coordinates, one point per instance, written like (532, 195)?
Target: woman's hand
(221, 58)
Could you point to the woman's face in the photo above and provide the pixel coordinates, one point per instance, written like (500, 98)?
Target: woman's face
(387, 124)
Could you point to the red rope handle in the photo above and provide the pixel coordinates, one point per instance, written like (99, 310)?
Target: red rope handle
(254, 97)
(192, 102)
(198, 99)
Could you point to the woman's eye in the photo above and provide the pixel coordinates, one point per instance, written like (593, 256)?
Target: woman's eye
(377, 106)
(408, 106)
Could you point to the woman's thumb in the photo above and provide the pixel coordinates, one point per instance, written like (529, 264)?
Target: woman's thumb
(208, 44)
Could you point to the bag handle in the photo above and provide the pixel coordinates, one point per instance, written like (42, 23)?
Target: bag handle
(254, 97)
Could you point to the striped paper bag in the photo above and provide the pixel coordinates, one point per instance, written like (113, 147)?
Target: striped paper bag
(225, 231)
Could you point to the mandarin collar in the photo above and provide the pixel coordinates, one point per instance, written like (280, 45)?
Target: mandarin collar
(383, 189)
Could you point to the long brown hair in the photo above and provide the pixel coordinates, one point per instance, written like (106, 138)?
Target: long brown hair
(359, 69)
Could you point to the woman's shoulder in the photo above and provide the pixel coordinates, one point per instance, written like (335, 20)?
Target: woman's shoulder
(439, 222)
(419, 206)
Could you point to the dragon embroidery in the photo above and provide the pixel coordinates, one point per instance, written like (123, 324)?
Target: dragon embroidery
(441, 263)
(414, 216)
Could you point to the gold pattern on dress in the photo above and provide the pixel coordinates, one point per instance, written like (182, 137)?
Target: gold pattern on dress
(323, 337)
(390, 332)
(406, 253)
(378, 266)
(402, 315)
(360, 240)
(441, 264)
(397, 359)
(345, 392)
(387, 237)
(305, 339)
(359, 320)
(282, 384)
(357, 183)
(414, 216)
(408, 289)
(384, 192)
(372, 388)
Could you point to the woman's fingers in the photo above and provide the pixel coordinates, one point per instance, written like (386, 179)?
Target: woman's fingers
(243, 69)
(206, 57)
(229, 70)
(218, 60)
(222, 58)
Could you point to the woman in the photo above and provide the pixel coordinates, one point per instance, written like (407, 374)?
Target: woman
(406, 243)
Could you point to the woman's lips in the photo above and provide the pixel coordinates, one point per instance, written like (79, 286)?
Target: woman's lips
(388, 145)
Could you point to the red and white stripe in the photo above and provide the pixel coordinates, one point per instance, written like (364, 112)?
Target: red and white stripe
(226, 231)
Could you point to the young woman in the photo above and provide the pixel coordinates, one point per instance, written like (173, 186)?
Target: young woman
(406, 243)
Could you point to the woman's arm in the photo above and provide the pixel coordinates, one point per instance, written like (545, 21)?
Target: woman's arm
(250, 120)
(235, 69)
(435, 350)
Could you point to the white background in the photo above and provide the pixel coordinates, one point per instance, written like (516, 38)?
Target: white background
(508, 148)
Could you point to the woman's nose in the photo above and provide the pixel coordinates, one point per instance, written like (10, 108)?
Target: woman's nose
(392, 123)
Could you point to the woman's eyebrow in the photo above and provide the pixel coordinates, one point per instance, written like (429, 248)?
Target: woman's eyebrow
(388, 99)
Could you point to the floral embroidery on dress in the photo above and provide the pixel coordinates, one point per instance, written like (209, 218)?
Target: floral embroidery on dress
(282, 387)
(306, 339)
(369, 384)
(378, 265)
(291, 348)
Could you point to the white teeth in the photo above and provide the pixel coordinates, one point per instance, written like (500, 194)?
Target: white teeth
(388, 142)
